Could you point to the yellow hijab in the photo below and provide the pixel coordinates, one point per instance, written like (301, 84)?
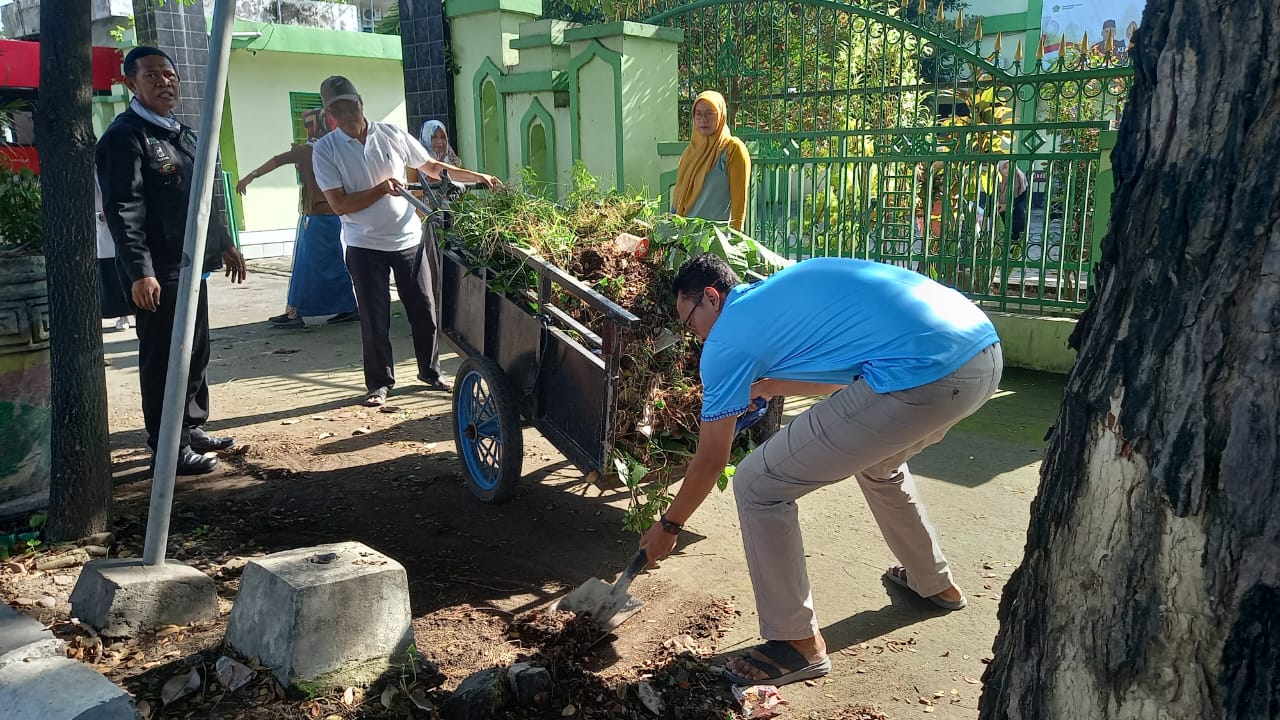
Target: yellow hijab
(701, 154)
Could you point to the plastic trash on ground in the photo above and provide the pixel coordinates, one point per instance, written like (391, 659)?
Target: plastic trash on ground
(759, 701)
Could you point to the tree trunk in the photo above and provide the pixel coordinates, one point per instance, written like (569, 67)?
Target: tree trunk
(1150, 587)
(80, 483)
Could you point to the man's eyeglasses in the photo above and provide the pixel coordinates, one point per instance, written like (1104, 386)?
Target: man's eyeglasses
(689, 317)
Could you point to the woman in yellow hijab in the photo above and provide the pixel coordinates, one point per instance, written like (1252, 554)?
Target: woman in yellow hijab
(711, 181)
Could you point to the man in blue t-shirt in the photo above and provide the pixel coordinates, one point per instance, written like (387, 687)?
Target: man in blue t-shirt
(906, 359)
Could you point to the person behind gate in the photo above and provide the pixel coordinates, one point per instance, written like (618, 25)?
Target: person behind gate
(715, 168)
(902, 358)
(360, 167)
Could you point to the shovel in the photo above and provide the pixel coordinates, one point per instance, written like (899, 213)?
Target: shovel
(609, 605)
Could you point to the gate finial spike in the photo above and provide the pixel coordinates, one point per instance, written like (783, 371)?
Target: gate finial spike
(977, 31)
(1040, 49)
(1109, 41)
(924, 7)
(1017, 54)
(942, 17)
(959, 19)
(999, 42)
(1084, 44)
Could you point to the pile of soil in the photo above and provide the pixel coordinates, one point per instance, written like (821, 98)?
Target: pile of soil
(677, 670)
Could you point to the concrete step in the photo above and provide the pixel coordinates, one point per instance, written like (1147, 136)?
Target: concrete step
(22, 638)
(57, 688)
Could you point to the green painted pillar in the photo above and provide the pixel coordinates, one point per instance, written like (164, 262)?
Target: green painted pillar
(623, 101)
(1105, 185)
(480, 34)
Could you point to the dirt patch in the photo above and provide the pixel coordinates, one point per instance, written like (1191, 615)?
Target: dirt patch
(476, 603)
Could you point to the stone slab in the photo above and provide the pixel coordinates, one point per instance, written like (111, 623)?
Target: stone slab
(123, 597)
(22, 638)
(61, 689)
(336, 613)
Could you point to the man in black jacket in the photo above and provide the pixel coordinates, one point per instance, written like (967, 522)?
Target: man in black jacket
(145, 162)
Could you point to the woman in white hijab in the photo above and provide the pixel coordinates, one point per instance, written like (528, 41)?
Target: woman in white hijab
(435, 139)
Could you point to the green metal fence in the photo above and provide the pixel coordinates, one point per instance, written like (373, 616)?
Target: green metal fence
(900, 133)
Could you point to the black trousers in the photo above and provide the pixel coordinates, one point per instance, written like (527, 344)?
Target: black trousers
(155, 330)
(371, 272)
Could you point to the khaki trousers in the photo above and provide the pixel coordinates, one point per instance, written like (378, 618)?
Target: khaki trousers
(870, 436)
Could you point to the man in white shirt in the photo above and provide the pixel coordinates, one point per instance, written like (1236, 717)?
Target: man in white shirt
(360, 169)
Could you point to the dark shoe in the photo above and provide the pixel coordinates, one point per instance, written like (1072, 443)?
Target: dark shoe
(202, 442)
(191, 463)
(289, 323)
(342, 317)
(439, 384)
(281, 318)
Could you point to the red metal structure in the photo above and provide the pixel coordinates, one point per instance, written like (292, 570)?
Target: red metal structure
(20, 80)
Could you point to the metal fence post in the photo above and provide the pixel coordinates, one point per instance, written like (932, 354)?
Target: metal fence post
(184, 320)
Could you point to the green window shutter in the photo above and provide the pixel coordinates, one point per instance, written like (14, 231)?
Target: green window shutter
(300, 102)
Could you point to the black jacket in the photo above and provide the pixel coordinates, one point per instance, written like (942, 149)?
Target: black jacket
(144, 172)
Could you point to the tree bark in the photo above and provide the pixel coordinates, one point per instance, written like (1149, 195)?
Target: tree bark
(1150, 587)
(80, 483)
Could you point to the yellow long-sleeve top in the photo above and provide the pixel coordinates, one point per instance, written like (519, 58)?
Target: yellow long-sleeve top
(724, 189)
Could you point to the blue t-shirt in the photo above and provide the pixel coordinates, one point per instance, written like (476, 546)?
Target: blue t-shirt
(831, 320)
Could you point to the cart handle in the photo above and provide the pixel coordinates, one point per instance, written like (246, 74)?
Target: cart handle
(425, 208)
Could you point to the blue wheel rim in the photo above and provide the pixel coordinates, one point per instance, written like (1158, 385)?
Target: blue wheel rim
(479, 431)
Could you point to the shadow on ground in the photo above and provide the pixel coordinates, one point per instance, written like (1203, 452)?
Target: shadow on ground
(415, 508)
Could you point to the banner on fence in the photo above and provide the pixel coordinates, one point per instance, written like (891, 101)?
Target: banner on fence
(1073, 19)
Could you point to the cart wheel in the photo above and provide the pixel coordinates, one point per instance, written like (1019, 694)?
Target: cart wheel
(486, 429)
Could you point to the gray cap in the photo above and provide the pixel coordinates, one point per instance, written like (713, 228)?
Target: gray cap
(335, 88)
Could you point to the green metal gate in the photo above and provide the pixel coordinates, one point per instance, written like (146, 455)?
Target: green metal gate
(890, 131)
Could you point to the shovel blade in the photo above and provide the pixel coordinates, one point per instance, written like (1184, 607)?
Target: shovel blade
(595, 597)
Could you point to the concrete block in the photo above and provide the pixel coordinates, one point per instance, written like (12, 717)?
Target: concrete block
(122, 597)
(336, 613)
(61, 689)
(23, 638)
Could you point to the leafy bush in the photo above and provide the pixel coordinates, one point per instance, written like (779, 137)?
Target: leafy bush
(21, 231)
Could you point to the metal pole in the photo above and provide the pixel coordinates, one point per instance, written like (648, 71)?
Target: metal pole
(184, 318)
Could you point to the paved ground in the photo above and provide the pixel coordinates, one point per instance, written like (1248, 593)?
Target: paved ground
(293, 397)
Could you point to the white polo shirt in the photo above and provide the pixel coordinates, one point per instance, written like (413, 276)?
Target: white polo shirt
(341, 161)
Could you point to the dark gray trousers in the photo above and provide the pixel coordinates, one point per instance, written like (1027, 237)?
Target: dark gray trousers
(371, 272)
(155, 332)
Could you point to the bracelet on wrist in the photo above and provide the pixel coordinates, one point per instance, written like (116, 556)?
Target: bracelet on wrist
(669, 526)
